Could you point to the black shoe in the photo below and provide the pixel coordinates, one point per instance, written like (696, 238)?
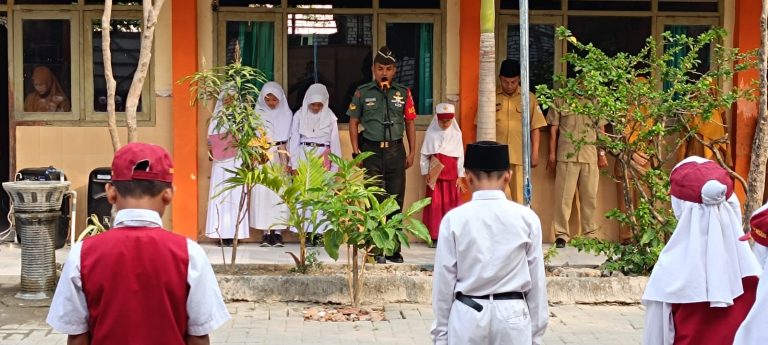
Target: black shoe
(433, 244)
(227, 242)
(396, 258)
(277, 240)
(559, 243)
(381, 259)
(266, 240)
(272, 239)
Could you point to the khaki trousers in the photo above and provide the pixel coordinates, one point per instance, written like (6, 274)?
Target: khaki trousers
(572, 176)
(516, 184)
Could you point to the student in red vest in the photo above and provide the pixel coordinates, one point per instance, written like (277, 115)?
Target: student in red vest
(704, 283)
(138, 283)
(752, 330)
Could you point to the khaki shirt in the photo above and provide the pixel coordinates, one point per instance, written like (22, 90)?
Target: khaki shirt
(509, 122)
(579, 127)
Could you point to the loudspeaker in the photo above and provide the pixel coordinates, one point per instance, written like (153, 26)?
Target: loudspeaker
(97, 194)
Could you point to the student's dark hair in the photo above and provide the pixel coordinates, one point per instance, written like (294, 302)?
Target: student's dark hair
(487, 175)
(140, 188)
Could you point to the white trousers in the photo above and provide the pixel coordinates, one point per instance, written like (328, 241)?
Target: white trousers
(502, 322)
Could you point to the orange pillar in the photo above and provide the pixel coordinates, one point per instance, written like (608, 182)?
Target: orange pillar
(184, 46)
(469, 69)
(746, 36)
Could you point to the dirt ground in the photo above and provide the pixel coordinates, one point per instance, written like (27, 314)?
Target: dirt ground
(17, 311)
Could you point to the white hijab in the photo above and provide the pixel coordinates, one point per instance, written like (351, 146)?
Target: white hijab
(752, 330)
(316, 125)
(278, 120)
(704, 261)
(447, 142)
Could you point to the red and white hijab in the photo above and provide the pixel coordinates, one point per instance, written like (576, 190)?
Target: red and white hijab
(704, 261)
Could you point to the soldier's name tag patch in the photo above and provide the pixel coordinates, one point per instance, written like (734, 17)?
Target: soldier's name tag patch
(370, 100)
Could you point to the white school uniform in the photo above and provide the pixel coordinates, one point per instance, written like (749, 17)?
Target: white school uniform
(223, 209)
(320, 130)
(267, 208)
(471, 259)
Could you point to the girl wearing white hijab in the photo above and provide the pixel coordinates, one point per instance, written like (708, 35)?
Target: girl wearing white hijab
(314, 129)
(704, 283)
(267, 209)
(314, 132)
(223, 209)
(753, 331)
(442, 146)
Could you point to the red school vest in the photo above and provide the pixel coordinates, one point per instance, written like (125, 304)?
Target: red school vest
(135, 285)
(700, 324)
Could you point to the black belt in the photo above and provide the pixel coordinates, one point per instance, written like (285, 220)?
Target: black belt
(314, 144)
(469, 301)
(383, 144)
(278, 143)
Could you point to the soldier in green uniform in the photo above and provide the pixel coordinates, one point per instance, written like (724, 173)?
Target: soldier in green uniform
(386, 111)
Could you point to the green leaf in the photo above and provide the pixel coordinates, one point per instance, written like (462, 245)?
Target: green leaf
(380, 240)
(418, 229)
(417, 206)
(333, 240)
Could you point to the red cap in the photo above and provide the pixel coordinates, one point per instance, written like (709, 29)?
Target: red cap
(759, 225)
(141, 161)
(445, 111)
(687, 180)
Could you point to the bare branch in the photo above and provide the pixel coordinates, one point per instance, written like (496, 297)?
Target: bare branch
(149, 22)
(106, 18)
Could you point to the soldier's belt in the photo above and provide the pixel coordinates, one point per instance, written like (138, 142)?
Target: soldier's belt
(383, 144)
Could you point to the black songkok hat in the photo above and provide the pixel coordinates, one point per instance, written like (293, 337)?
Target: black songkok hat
(487, 156)
(509, 68)
(384, 56)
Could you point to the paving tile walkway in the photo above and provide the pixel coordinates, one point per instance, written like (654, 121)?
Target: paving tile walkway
(407, 324)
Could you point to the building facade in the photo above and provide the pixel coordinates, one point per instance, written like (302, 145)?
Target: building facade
(298, 42)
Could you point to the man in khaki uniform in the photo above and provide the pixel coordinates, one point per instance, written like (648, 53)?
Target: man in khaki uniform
(509, 124)
(574, 170)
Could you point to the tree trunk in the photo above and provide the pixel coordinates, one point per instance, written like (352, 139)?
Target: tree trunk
(759, 157)
(486, 107)
(111, 84)
(355, 278)
(149, 23)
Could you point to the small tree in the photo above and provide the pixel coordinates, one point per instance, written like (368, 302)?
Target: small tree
(299, 192)
(356, 219)
(241, 123)
(649, 123)
(151, 11)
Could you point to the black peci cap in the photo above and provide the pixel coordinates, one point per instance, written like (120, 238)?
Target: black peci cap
(487, 156)
(510, 68)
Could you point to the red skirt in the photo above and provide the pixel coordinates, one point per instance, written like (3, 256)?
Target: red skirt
(444, 198)
(700, 324)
